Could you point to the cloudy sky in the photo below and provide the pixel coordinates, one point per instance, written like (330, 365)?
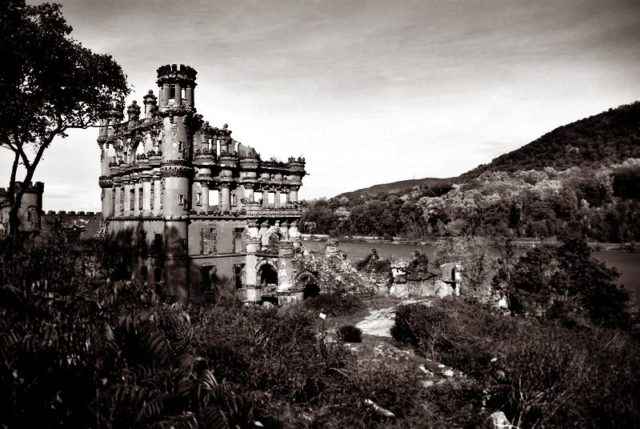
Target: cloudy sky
(368, 91)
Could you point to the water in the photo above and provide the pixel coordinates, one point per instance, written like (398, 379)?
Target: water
(627, 264)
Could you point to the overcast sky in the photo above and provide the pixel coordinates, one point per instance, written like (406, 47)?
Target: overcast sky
(368, 91)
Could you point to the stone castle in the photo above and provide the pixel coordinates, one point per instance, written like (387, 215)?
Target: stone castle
(189, 208)
(30, 211)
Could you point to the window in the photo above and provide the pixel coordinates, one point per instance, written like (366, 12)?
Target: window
(132, 198)
(122, 196)
(208, 278)
(157, 244)
(181, 199)
(208, 241)
(172, 92)
(199, 198)
(140, 198)
(214, 197)
(238, 242)
(238, 274)
(234, 200)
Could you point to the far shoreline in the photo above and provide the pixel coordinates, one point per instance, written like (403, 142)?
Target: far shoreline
(519, 243)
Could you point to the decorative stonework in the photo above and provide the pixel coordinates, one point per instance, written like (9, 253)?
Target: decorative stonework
(164, 138)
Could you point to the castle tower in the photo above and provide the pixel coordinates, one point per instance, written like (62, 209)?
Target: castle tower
(176, 108)
(107, 127)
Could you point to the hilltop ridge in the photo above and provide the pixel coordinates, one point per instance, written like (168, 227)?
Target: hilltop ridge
(605, 138)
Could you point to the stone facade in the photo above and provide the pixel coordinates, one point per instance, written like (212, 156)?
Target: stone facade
(193, 207)
(30, 212)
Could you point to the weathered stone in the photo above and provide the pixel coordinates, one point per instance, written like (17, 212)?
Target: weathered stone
(499, 421)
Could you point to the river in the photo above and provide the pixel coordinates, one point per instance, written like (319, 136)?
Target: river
(626, 263)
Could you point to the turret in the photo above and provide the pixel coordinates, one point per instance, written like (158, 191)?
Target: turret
(133, 113)
(176, 108)
(150, 104)
(176, 86)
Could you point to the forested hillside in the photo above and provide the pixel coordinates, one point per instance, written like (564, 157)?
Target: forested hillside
(606, 138)
(582, 178)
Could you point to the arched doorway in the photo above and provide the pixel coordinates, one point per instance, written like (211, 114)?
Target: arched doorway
(268, 275)
(308, 282)
(310, 290)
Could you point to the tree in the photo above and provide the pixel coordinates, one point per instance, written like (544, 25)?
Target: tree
(50, 84)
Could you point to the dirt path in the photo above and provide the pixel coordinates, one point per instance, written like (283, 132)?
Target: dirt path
(378, 347)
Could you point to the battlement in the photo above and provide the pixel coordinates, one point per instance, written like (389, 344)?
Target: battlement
(72, 213)
(171, 73)
(38, 188)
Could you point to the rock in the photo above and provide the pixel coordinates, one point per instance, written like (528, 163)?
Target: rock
(427, 383)
(448, 373)
(267, 305)
(425, 370)
(443, 289)
(499, 421)
(502, 303)
(378, 409)
(399, 290)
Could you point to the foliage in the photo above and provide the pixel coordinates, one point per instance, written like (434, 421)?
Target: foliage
(334, 305)
(568, 284)
(539, 374)
(350, 334)
(50, 84)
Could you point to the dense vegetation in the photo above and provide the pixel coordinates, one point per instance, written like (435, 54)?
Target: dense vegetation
(600, 204)
(563, 356)
(82, 351)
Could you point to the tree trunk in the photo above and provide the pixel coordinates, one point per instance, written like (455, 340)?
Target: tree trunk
(14, 219)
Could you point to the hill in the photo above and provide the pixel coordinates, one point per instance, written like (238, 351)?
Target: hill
(606, 138)
(394, 187)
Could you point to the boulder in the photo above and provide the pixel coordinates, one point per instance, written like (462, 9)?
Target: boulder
(443, 289)
(499, 421)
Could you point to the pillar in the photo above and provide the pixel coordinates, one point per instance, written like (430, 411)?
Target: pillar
(164, 95)
(178, 91)
(293, 194)
(276, 199)
(226, 201)
(146, 196)
(157, 195)
(189, 95)
(205, 196)
(136, 199)
(127, 198)
(107, 210)
(265, 198)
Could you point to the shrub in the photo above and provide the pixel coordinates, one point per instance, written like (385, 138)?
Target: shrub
(335, 305)
(350, 334)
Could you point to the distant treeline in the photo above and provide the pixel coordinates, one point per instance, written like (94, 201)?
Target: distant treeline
(598, 203)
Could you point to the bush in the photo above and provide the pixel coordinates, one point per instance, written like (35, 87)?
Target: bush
(538, 372)
(350, 334)
(335, 305)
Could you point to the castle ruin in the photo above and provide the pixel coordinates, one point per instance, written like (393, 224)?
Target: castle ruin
(29, 212)
(189, 207)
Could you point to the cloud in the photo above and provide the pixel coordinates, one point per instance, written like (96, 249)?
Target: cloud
(368, 91)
